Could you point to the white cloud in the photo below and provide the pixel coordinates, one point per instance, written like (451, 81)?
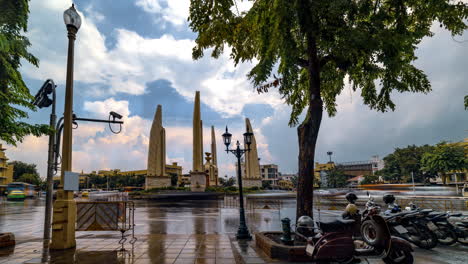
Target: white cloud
(135, 61)
(172, 11)
(102, 108)
(151, 6)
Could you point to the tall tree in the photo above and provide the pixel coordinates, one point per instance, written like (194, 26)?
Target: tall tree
(30, 178)
(20, 168)
(445, 158)
(403, 161)
(14, 95)
(314, 45)
(336, 178)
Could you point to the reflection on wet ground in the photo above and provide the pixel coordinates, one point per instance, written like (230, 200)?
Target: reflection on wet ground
(147, 249)
(167, 232)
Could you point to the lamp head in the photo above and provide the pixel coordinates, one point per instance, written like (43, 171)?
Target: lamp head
(72, 18)
(227, 138)
(248, 138)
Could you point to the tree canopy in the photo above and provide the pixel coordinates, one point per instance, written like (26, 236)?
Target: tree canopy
(30, 178)
(316, 47)
(14, 95)
(403, 161)
(21, 168)
(336, 178)
(444, 158)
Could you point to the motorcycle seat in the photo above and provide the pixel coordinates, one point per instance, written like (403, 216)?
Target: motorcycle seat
(426, 211)
(455, 214)
(336, 225)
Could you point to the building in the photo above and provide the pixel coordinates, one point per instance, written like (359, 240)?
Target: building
(357, 168)
(355, 181)
(6, 171)
(320, 173)
(270, 173)
(287, 177)
(184, 180)
(171, 169)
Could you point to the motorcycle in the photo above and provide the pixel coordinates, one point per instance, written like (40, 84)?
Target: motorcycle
(460, 225)
(336, 241)
(411, 226)
(438, 223)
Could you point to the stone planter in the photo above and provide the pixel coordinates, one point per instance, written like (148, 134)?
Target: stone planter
(7, 239)
(280, 251)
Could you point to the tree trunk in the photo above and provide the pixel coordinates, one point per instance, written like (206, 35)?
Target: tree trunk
(307, 134)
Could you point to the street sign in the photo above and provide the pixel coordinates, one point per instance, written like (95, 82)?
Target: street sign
(71, 181)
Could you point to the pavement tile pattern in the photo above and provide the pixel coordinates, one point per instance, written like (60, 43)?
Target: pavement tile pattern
(159, 248)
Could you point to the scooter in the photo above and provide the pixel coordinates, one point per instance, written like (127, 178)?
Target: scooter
(335, 241)
(409, 225)
(438, 223)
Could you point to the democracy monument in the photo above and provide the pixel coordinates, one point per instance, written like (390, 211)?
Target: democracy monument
(204, 171)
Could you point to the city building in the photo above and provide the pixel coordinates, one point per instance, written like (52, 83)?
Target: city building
(287, 177)
(270, 173)
(171, 169)
(6, 171)
(357, 168)
(320, 173)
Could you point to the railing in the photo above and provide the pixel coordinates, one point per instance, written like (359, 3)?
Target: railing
(107, 216)
(253, 204)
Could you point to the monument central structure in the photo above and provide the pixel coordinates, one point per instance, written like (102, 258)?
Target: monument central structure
(198, 175)
(156, 174)
(252, 176)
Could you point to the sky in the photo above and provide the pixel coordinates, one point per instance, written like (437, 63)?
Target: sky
(131, 56)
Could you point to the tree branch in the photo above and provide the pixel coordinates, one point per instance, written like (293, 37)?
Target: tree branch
(302, 62)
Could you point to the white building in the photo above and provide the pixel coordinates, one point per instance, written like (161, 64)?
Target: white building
(270, 173)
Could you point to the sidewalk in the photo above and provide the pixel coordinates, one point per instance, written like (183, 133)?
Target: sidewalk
(160, 248)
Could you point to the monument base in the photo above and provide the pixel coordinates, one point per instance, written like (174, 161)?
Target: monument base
(157, 182)
(197, 181)
(248, 183)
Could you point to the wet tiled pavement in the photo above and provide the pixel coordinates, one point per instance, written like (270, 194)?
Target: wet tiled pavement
(160, 248)
(182, 232)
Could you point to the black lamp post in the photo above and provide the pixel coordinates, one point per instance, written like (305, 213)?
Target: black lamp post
(42, 100)
(243, 231)
(330, 153)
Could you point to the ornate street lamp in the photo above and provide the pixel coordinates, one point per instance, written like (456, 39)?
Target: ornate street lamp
(65, 206)
(243, 231)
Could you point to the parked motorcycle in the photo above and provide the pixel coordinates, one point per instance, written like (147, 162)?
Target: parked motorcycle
(438, 223)
(462, 231)
(411, 226)
(336, 240)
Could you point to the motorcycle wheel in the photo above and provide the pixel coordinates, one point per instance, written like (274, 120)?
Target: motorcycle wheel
(399, 257)
(372, 233)
(446, 236)
(428, 241)
(463, 240)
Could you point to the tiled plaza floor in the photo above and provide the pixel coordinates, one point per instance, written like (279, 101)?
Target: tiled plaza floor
(160, 248)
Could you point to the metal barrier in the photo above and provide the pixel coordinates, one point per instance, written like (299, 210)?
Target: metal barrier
(252, 204)
(436, 204)
(107, 216)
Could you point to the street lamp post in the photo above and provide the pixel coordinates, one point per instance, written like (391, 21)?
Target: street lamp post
(243, 231)
(330, 153)
(64, 218)
(42, 100)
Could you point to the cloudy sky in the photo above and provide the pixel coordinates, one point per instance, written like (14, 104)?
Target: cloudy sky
(133, 55)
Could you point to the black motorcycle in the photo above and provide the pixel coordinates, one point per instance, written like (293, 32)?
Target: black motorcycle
(446, 232)
(409, 225)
